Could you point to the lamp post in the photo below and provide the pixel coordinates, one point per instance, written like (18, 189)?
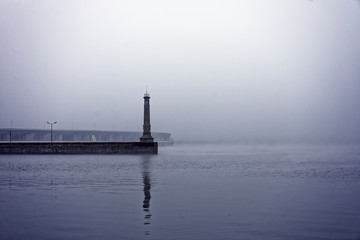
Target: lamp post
(51, 129)
(11, 130)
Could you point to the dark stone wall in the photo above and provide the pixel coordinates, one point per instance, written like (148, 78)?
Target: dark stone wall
(79, 148)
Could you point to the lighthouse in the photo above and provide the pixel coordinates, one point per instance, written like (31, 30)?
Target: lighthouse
(146, 137)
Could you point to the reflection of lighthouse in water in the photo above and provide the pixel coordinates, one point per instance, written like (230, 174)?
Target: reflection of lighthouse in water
(147, 197)
(147, 186)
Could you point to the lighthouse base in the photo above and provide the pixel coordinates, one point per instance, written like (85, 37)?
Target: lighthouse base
(147, 139)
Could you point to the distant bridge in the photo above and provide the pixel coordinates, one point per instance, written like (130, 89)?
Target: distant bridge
(15, 134)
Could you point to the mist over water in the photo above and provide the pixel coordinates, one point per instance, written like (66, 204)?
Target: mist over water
(217, 71)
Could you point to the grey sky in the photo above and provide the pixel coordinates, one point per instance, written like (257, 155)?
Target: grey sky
(216, 70)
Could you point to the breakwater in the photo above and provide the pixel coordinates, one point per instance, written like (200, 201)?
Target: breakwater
(79, 148)
(41, 135)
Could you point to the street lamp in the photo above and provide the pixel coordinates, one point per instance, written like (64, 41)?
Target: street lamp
(51, 129)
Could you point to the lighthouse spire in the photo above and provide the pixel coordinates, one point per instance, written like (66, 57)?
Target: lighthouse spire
(146, 137)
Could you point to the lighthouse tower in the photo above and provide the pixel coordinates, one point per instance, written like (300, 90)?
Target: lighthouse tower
(146, 137)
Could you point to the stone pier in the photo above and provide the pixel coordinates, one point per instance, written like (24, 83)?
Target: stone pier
(79, 148)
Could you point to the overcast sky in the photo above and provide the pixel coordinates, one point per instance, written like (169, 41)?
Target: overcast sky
(216, 70)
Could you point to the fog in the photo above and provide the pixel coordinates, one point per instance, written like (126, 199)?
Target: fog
(225, 70)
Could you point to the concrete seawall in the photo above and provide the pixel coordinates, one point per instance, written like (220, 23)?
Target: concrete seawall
(79, 148)
(44, 135)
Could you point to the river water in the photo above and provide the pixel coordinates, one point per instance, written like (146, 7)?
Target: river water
(185, 192)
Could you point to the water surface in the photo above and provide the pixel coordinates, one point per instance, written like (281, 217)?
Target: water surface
(185, 192)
